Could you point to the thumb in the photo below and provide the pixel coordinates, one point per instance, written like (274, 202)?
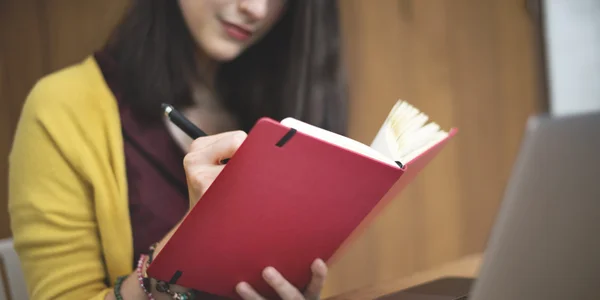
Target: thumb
(214, 148)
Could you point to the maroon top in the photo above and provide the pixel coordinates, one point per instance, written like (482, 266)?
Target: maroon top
(157, 189)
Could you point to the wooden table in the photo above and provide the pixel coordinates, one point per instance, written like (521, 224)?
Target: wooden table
(465, 267)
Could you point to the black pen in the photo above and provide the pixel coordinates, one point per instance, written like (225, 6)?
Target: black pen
(184, 124)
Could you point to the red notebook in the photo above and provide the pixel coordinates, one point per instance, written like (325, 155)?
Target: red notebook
(293, 193)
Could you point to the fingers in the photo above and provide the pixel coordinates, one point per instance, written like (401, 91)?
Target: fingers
(212, 149)
(319, 271)
(201, 178)
(202, 163)
(247, 292)
(284, 288)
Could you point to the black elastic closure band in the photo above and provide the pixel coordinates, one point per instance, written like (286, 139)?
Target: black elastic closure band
(175, 277)
(286, 138)
(399, 164)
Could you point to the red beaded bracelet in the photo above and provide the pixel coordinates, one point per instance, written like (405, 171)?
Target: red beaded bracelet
(141, 263)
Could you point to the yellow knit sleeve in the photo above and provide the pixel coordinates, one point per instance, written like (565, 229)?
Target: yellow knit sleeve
(51, 201)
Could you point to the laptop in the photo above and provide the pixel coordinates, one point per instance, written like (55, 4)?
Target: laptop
(545, 243)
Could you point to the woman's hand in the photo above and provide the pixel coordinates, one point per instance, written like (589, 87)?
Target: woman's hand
(284, 289)
(202, 163)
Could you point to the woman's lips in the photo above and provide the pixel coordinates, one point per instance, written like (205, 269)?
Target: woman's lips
(237, 32)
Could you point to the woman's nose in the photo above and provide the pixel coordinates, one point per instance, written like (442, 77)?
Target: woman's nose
(254, 9)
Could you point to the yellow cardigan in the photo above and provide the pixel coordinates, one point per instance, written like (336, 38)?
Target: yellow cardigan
(67, 187)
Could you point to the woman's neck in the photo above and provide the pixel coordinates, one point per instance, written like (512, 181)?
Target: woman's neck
(207, 113)
(207, 70)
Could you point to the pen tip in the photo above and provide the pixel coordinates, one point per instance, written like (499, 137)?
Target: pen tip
(167, 108)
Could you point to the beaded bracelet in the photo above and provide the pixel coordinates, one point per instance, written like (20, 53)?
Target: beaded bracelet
(164, 287)
(145, 279)
(161, 286)
(151, 252)
(117, 289)
(142, 282)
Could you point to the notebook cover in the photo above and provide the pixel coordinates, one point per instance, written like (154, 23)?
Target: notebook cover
(280, 206)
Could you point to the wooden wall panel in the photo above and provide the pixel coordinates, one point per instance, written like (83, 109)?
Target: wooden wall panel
(22, 63)
(78, 27)
(5, 135)
(466, 63)
(36, 38)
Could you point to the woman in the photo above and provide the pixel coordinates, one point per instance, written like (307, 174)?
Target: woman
(96, 175)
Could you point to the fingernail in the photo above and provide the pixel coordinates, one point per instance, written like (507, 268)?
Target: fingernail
(320, 266)
(270, 273)
(242, 287)
(319, 263)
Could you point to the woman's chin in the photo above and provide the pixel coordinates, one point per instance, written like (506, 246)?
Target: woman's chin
(224, 51)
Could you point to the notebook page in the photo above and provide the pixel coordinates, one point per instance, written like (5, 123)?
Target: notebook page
(337, 139)
(407, 132)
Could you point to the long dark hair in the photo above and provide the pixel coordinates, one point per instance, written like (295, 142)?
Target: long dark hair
(296, 70)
